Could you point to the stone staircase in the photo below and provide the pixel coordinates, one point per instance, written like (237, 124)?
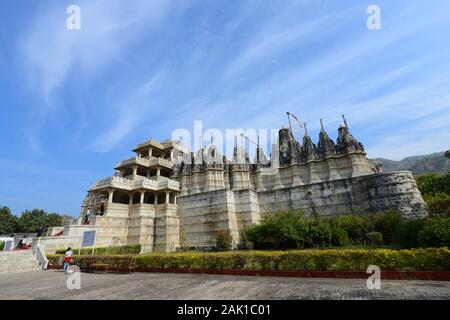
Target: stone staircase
(18, 261)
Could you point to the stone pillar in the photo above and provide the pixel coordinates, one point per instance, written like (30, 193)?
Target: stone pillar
(150, 152)
(148, 173)
(131, 198)
(167, 196)
(110, 195)
(142, 197)
(156, 199)
(134, 170)
(158, 171)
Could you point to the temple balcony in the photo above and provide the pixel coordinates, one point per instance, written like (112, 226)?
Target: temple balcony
(146, 162)
(160, 183)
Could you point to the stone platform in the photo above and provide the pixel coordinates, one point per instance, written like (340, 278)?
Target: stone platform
(51, 284)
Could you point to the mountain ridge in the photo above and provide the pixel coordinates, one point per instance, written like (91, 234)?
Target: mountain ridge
(434, 162)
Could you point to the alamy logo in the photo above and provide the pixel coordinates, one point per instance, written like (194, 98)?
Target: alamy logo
(374, 20)
(374, 281)
(74, 280)
(73, 22)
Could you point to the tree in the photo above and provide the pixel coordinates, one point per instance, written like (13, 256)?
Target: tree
(427, 183)
(224, 241)
(282, 230)
(8, 221)
(31, 221)
(184, 244)
(443, 184)
(447, 154)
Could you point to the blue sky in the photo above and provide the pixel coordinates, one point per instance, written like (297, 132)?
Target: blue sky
(73, 102)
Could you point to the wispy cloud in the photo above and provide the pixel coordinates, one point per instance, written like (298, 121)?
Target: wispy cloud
(134, 108)
(54, 56)
(52, 53)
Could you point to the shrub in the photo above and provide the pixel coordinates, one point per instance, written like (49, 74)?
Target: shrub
(123, 250)
(356, 226)
(2, 245)
(435, 259)
(438, 204)
(427, 183)
(388, 224)
(435, 232)
(409, 232)
(282, 230)
(184, 245)
(339, 236)
(224, 240)
(290, 230)
(319, 233)
(374, 238)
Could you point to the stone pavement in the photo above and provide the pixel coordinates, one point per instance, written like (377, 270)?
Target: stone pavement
(51, 284)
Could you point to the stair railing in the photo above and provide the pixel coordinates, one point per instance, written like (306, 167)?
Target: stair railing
(39, 253)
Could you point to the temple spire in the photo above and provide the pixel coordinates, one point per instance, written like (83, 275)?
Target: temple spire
(321, 126)
(306, 130)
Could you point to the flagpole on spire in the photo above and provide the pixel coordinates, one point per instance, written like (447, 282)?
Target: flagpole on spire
(289, 120)
(296, 119)
(345, 122)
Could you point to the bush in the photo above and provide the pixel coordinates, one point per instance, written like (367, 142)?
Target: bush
(438, 204)
(224, 240)
(339, 236)
(430, 259)
(374, 238)
(388, 224)
(2, 245)
(409, 232)
(290, 230)
(123, 250)
(319, 234)
(356, 227)
(435, 232)
(283, 230)
(427, 183)
(435, 190)
(184, 245)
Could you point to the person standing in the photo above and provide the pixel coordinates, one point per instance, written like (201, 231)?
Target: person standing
(102, 208)
(68, 259)
(20, 244)
(88, 216)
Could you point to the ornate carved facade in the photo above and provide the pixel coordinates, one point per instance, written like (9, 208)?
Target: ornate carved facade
(164, 191)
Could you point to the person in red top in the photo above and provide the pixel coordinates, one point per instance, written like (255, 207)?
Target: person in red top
(68, 259)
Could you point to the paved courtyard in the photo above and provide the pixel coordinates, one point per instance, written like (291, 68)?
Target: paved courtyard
(51, 284)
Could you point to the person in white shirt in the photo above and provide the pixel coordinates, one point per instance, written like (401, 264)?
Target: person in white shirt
(88, 216)
(68, 259)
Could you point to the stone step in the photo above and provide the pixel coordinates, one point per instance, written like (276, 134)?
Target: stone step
(18, 261)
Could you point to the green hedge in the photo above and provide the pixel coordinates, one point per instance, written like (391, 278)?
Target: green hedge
(291, 230)
(430, 259)
(2, 245)
(131, 249)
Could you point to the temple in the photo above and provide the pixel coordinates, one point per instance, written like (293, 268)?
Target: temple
(165, 192)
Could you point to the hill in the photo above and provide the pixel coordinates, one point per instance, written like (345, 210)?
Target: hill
(435, 162)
